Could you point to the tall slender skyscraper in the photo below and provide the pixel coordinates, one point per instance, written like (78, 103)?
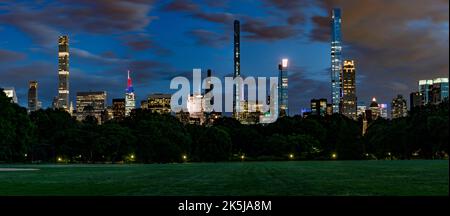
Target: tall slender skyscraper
(336, 58)
(237, 67)
(63, 73)
(348, 87)
(33, 103)
(130, 99)
(283, 88)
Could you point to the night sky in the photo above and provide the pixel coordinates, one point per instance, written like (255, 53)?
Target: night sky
(394, 43)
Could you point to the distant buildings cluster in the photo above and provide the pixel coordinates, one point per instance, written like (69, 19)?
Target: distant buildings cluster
(343, 92)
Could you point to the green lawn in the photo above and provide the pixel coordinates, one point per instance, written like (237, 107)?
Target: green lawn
(415, 177)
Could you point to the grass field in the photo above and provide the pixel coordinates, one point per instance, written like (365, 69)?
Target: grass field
(247, 178)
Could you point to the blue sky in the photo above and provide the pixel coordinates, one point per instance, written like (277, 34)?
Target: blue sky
(393, 45)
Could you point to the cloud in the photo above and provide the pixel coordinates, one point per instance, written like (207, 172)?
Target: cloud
(252, 28)
(209, 38)
(101, 16)
(8, 56)
(84, 54)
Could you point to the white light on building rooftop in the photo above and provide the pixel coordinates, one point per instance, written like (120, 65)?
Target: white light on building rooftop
(284, 63)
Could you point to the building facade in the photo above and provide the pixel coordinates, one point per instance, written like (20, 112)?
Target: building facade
(283, 105)
(33, 102)
(159, 103)
(11, 93)
(63, 74)
(90, 104)
(118, 108)
(375, 110)
(336, 58)
(348, 88)
(398, 107)
(415, 100)
(319, 107)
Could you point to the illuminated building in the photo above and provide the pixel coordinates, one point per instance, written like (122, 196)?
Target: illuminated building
(251, 111)
(144, 104)
(237, 95)
(118, 108)
(33, 102)
(107, 114)
(398, 107)
(90, 104)
(415, 100)
(329, 109)
(195, 106)
(348, 88)
(439, 90)
(425, 90)
(336, 58)
(283, 88)
(374, 109)
(383, 110)
(130, 98)
(63, 74)
(159, 103)
(11, 93)
(319, 107)
(211, 116)
(361, 109)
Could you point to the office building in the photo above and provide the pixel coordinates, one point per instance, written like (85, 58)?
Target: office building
(348, 88)
(439, 91)
(11, 93)
(159, 103)
(283, 105)
(398, 107)
(415, 100)
(90, 104)
(319, 107)
(118, 108)
(336, 58)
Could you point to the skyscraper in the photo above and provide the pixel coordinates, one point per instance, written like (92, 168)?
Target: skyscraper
(130, 99)
(237, 67)
(63, 73)
(336, 58)
(33, 103)
(374, 109)
(283, 88)
(398, 107)
(348, 88)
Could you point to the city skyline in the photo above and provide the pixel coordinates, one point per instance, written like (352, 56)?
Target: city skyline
(204, 41)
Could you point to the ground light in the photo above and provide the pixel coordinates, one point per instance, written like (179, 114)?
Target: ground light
(291, 156)
(59, 159)
(242, 157)
(334, 156)
(184, 157)
(132, 156)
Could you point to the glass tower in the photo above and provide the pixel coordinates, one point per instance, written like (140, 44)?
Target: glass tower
(130, 98)
(336, 58)
(283, 88)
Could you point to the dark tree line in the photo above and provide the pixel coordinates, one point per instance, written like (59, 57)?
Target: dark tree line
(54, 136)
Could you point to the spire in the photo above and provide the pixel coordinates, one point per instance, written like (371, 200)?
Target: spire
(129, 84)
